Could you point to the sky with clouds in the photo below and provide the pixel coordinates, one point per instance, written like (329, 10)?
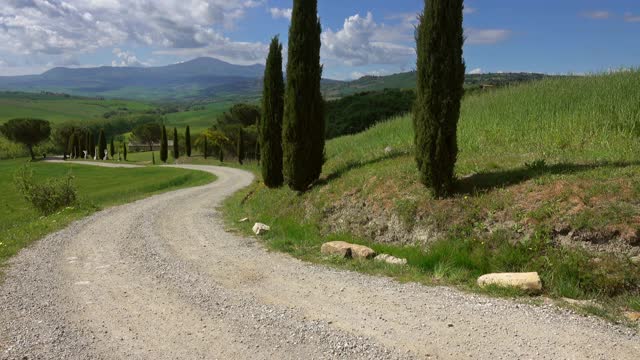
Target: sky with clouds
(359, 37)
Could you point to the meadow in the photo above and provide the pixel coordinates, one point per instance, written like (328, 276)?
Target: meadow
(553, 155)
(98, 188)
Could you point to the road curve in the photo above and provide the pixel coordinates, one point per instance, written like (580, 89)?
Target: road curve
(160, 279)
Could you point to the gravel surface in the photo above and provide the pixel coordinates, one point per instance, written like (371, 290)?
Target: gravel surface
(161, 279)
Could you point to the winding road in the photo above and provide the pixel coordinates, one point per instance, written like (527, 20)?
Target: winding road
(160, 278)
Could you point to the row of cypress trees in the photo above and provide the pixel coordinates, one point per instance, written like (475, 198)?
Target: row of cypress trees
(164, 144)
(291, 131)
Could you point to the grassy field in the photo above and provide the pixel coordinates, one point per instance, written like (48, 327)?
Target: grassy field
(97, 187)
(552, 156)
(58, 108)
(199, 120)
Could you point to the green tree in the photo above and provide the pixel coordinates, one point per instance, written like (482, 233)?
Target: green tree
(440, 73)
(112, 148)
(205, 147)
(221, 153)
(303, 122)
(270, 127)
(148, 133)
(73, 145)
(124, 150)
(240, 150)
(176, 145)
(187, 141)
(102, 145)
(164, 145)
(92, 145)
(28, 132)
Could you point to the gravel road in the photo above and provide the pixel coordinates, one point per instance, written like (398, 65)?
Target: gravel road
(161, 279)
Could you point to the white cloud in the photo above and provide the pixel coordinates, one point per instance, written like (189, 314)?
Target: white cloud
(278, 13)
(362, 41)
(358, 74)
(469, 10)
(486, 36)
(597, 15)
(125, 59)
(47, 29)
(629, 17)
(475, 71)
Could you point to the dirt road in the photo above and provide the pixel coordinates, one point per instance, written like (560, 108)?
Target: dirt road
(161, 279)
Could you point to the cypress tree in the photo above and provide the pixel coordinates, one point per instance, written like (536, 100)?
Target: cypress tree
(176, 146)
(270, 127)
(92, 145)
(303, 122)
(440, 72)
(76, 142)
(102, 145)
(72, 145)
(87, 142)
(240, 147)
(112, 148)
(124, 150)
(187, 141)
(164, 146)
(220, 153)
(205, 146)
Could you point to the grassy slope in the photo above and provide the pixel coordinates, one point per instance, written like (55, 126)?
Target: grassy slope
(58, 108)
(587, 131)
(199, 120)
(98, 187)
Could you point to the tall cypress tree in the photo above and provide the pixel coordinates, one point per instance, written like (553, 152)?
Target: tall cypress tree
(72, 145)
(220, 153)
(112, 148)
(164, 145)
(87, 142)
(205, 146)
(92, 145)
(240, 146)
(76, 141)
(124, 150)
(187, 141)
(440, 72)
(270, 127)
(176, 146)
(102, 144)
(303, 122)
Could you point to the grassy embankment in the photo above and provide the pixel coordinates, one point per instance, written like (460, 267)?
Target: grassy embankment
(97, 187)
(559, 153)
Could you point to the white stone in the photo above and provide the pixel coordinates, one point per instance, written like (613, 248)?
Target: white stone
(388, 150)
(243, 220)
(260, 228)
(391, 259)
(524, 281)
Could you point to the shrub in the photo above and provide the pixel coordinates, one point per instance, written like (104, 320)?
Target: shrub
(46, 197)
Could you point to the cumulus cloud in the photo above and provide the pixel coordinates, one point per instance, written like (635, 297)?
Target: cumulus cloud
(125, 58)
(631, 18)
(469, 10)
(362, 41)
(278, 13)
(475, 71)
(52, 28)
(486, 36)
(597, 15)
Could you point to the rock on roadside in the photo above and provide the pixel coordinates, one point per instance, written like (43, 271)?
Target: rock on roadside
(260, 228)
(347, 250)
(524, 281)
(391, 259)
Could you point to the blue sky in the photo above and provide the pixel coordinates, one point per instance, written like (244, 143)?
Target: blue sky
(360, 36)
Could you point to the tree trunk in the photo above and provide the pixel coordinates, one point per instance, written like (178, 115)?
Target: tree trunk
(33, 157)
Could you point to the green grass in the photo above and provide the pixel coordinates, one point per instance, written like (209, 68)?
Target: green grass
(199, 120)
(57, 108)
(531, 157)
(98, 188)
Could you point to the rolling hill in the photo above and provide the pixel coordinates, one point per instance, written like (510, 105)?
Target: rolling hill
(195, 79)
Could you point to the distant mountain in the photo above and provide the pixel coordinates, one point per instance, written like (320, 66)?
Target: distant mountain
(198, 78)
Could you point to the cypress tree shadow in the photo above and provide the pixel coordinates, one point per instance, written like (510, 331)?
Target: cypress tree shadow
(486, 181)
(353, 164)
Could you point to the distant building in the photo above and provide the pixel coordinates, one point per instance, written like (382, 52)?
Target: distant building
(135, 146)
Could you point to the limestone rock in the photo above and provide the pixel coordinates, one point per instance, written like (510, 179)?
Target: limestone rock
(525, 281)
(391, 259)
(582, 303)
(260, 228)
(347, 250)
(339, 248)
(362, 252)
(635, 260)
(388, 150)
(632, 315)
(243, 220)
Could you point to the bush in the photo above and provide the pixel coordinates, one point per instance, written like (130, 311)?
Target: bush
(47, 197)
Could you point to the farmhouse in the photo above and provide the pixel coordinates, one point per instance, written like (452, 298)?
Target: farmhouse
(135, 146)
